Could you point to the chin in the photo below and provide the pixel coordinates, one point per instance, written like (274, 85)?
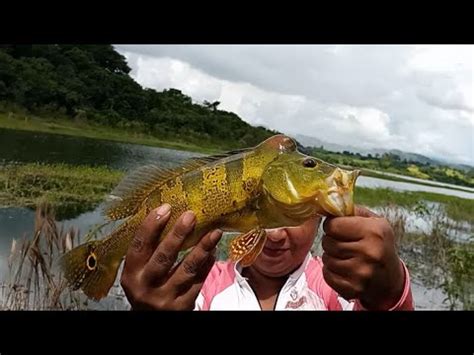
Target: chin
(274, 267)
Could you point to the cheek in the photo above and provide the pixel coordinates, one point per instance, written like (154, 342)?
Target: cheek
(300, 245)
(301, 238)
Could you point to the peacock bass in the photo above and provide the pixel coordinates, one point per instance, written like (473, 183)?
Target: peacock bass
(269, 186)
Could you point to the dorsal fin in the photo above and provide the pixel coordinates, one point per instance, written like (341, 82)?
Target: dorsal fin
(127, 197)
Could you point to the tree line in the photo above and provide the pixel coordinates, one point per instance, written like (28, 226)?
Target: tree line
(93, 82)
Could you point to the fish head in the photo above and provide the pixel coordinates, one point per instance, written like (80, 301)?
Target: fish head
(278, 144)
(295, 179)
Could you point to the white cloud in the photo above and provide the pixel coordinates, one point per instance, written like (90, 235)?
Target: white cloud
(413, 98)
(164, 73)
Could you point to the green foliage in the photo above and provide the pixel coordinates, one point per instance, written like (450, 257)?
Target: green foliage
(440, 261)
(222, 250)
(458, 209)
(70, 190)
(459, 286)
(92, 82)
(393, 164)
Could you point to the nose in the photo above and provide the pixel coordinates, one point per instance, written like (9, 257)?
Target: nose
(277, 234)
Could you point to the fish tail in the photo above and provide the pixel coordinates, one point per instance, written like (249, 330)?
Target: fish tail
(93, 266)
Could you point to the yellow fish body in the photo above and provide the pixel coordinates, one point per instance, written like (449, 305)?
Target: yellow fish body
(269, 186)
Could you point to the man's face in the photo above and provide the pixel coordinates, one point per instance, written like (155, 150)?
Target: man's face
(286, 248)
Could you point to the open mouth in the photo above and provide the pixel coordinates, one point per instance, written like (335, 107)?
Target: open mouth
(338, 199)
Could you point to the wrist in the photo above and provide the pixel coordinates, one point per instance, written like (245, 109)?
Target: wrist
(386, 298)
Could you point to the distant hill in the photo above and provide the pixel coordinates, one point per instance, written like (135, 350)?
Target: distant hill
(92, 82)
(414, 157)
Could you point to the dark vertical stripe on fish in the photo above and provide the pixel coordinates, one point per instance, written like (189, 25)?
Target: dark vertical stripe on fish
(217, 200)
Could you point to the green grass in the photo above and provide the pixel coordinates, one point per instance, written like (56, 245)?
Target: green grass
(459, 209)
(75, 189)
(441, 263)
(391, 165)
(88, 129)
(27, 122)
(415, 171)
(70, 190)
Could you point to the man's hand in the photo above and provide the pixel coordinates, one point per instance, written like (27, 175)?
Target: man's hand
(360, 259)
(150, 280)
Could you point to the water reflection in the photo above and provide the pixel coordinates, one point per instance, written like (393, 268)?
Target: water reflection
(49, 148)
(28, 147)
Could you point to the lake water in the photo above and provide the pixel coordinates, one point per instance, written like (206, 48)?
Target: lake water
(22, 146)
(27, 147)
(414, 179)
(367, 181)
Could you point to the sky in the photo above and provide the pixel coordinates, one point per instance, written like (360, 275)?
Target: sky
(417, 99)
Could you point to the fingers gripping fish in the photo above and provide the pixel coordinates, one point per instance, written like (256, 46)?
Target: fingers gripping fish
(269, 186)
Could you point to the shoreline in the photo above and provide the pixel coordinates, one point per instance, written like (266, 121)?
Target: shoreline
(94, 131)
(79, 188)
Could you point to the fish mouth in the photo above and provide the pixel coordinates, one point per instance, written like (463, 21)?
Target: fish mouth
(338, 199)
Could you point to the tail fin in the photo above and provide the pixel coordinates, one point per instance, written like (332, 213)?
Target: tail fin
(93, 266)
(85, 267)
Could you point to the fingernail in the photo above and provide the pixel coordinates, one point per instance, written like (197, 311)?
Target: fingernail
(189, 218)
(215, 236)
(163, 210)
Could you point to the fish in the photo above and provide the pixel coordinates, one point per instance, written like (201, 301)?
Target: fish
(246, 191)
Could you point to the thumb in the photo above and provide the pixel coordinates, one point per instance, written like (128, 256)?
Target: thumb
(364, 212)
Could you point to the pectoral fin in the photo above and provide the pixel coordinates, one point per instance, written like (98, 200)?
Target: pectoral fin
(246, 247)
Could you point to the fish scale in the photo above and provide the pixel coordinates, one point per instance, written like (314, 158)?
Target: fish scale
(268, 186)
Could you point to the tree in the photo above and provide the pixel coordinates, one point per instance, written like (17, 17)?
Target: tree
(212, 106)
(93, 82)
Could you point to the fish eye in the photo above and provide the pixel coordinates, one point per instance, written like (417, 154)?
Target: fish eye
(309, 163)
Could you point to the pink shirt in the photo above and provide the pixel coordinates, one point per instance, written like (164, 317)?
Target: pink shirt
(226, 289)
